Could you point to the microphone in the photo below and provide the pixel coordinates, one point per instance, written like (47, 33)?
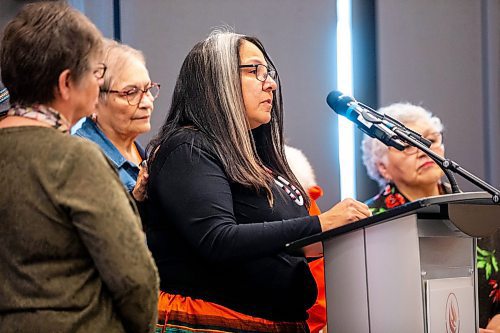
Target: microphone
(370, 122)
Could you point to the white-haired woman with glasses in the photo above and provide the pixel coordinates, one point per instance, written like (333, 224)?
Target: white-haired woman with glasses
(126, 102)
(409, 175)
(223, 202)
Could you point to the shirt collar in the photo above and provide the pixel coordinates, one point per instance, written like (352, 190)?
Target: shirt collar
(90, 130)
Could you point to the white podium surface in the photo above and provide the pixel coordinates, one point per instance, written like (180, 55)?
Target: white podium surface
(410, 269)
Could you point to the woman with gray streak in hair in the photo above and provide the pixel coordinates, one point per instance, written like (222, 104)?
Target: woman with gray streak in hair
(223, 202)
(72, 253)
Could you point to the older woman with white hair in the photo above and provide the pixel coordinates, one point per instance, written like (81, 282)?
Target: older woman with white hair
(409, 174)
(126, 102)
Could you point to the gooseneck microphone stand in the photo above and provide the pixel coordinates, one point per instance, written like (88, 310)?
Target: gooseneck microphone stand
(398, 134)
(416, 140)
(449, 166)
(409, 135)
(427, 144)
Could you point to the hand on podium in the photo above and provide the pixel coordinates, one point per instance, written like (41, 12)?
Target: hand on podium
(345, 212)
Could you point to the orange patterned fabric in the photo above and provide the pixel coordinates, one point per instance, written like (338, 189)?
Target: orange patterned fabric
(315, 192)
(180, 314)
(317, 313)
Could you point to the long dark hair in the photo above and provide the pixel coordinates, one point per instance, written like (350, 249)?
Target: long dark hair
(208, 98)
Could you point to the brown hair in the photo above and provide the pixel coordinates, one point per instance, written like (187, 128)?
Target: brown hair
(43, 40)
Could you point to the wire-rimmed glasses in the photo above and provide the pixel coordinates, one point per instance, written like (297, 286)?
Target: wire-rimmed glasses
(435, 138)
(262, 72)
(134, 94)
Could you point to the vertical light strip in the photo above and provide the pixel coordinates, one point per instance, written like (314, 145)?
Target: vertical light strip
(345, 85)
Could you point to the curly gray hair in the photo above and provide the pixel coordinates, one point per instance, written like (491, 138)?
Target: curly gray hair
(375, 151)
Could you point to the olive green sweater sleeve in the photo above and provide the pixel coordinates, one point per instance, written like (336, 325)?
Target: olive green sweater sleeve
(108, 223)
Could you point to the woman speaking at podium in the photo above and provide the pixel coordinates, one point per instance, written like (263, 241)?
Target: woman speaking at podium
(222, 201)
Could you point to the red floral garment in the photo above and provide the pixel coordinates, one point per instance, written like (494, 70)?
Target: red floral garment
(388, 198)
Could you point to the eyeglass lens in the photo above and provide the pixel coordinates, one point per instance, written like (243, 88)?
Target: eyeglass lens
(135, 97)
(263, 72)
(436, 140)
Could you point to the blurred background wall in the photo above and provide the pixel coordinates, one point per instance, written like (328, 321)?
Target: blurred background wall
(442, 54)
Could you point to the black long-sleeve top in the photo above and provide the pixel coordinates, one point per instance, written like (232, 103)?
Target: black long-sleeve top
(219, 241)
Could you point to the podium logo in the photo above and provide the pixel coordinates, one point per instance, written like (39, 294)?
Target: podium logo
(452, 314)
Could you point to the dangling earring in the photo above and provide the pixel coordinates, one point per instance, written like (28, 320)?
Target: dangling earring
(386, 175)
(94, 117)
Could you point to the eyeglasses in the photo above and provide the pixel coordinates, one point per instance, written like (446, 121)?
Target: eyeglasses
(134, 95)
(261, 71)
(100, 71)
(436, 140)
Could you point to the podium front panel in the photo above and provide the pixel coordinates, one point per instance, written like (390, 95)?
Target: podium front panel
(347, 298)
(393, 272)
(394, 276)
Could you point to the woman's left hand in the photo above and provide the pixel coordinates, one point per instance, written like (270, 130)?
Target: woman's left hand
(139, 192)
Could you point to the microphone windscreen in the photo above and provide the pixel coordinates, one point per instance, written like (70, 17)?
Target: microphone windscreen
(338, 102)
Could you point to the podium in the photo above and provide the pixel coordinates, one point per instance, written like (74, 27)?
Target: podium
(409, 269)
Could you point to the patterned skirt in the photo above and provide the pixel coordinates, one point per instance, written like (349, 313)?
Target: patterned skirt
(179, 314)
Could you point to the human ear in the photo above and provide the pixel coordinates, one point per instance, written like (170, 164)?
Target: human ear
(64, 84)
(382, 169)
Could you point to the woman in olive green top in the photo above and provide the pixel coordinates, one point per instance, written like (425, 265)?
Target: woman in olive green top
(73, 257)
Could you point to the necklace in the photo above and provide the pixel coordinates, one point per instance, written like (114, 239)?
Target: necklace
(291, 190)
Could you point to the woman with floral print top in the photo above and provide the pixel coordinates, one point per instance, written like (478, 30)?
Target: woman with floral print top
(391, 197)
(410, 175)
